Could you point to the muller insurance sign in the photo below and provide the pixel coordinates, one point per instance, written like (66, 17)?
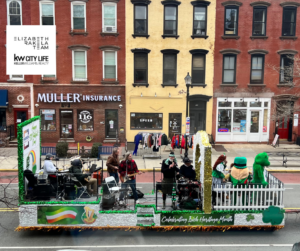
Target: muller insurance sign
(31, 50)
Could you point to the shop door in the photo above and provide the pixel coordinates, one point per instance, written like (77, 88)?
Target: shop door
(283, 128)
(174, 124)
(255, 126)
(111, 123)
(20, 116)
(197, 116)
(66, 124)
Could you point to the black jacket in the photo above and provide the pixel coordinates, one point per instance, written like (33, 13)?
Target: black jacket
(169, 173)
(188, 172)
(76, 170)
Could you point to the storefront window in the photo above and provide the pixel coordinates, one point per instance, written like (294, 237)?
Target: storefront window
(239, 120)
(48, 120)
(255, 104)
(240, 104)
(224, 104)
(224, 120)
(266, 104)
(265, 125)
(143, 121)
(85, 120)
(66, 123)
(2, 120)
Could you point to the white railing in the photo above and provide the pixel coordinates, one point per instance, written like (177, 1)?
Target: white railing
(250, 196)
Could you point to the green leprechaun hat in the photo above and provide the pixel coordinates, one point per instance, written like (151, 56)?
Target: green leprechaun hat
(240, 162)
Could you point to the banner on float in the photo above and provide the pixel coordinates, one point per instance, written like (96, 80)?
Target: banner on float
(66, 215)
(197, 219)
(31, 146)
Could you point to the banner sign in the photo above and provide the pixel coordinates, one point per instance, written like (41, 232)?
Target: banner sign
(31, 146)
(31, 49)
(66, 215)
(197, 219)
(187, 128)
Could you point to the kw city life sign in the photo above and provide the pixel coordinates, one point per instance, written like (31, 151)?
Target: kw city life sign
(75, 98)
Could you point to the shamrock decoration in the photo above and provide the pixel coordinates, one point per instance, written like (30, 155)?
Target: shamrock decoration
(227, 216)
(250, 217)
(273, 215)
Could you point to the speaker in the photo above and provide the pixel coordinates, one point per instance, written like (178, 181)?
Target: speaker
(108, 201)
(70, 191)
(43, 192)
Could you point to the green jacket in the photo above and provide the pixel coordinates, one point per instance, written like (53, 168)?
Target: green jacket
(218, 174)
(236, 182)
(76, 170)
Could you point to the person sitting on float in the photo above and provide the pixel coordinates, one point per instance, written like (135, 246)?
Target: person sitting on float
(218, 176)
(50, 169)
(187, 170)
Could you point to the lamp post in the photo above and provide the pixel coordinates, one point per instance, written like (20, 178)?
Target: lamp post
(188, 81)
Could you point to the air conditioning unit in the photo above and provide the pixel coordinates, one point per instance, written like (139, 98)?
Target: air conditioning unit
(109, 29)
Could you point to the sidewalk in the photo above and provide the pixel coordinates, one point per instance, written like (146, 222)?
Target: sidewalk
(8, 157)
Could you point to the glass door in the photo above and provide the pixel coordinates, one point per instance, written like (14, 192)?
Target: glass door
(255, 126)
(174, 124)
(66, 124)
(111, 123)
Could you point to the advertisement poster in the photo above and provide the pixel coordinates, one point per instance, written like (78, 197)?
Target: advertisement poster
(236, 127)
(189, 219)
(31, 146)
(66, 215)
(48, 116)
(243, 126)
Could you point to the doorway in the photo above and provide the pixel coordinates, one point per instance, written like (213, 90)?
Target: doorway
(255, 125)
(174, 124)
(111, 123)
(197, 116)
(21, 114)
(66, 124)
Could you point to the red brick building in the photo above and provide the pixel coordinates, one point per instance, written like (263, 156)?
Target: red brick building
(251, 37)
(85, 100)
(16, 91)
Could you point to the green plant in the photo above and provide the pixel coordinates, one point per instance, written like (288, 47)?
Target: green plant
(94, 151)
(62, 149)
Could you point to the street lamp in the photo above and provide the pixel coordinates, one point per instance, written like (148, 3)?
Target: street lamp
(188, 82)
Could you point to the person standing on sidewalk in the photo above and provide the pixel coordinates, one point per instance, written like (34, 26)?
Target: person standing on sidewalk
(112, 164)
(169, 168)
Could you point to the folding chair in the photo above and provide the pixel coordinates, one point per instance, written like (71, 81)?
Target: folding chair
(112, 185)
(79, 185)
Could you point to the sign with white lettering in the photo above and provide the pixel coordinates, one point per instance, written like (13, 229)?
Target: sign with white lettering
(85, 116)
(31, 50)
(198, 219)
(75, 98)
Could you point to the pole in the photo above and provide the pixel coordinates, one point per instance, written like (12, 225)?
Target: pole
(187, 114)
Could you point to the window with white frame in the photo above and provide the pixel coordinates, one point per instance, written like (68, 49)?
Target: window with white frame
(79, 66)
(14, 12)
(16, 77)
(47, 13)
(78, 12)
(109, 17)
(110, 64)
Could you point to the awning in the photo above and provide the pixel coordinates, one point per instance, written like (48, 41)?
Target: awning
(3, 98)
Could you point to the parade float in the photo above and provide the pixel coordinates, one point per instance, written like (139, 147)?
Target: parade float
(261, 207)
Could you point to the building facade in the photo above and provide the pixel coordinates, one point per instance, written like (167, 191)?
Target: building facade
(164, 41)
(85, 100)
(255, 44)
(16, 91)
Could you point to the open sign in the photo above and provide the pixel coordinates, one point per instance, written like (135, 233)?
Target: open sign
(223, 130)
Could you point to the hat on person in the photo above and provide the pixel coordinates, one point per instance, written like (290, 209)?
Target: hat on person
(240, 162)
(172, 154)
(186, 160)
(48, 156)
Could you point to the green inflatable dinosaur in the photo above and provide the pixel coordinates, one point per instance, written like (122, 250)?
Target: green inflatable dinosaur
(261, 160)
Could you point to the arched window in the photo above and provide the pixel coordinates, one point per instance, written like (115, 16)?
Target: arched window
(14, 13)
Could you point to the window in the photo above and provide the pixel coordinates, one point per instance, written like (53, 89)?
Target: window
(224, 120)
(2, 119)
(259, 21)
(16, 77)
(255, 104)
(110, 65)
(289, 21)
(47, 13)
(66, 124)
(141, 68)
(109, 17)
(198, 69)
(14, 10)
(229, 66)
(231, 20)
(140, 20)
(199, 21)
(146, 121)
(79, 66)
(85, 120)
(48, 120)
(170, 24)
(239, 120)
(49, 77)
(78, 16)
(169, 69)
(286, 68)
(265, 121)
(257, 69)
